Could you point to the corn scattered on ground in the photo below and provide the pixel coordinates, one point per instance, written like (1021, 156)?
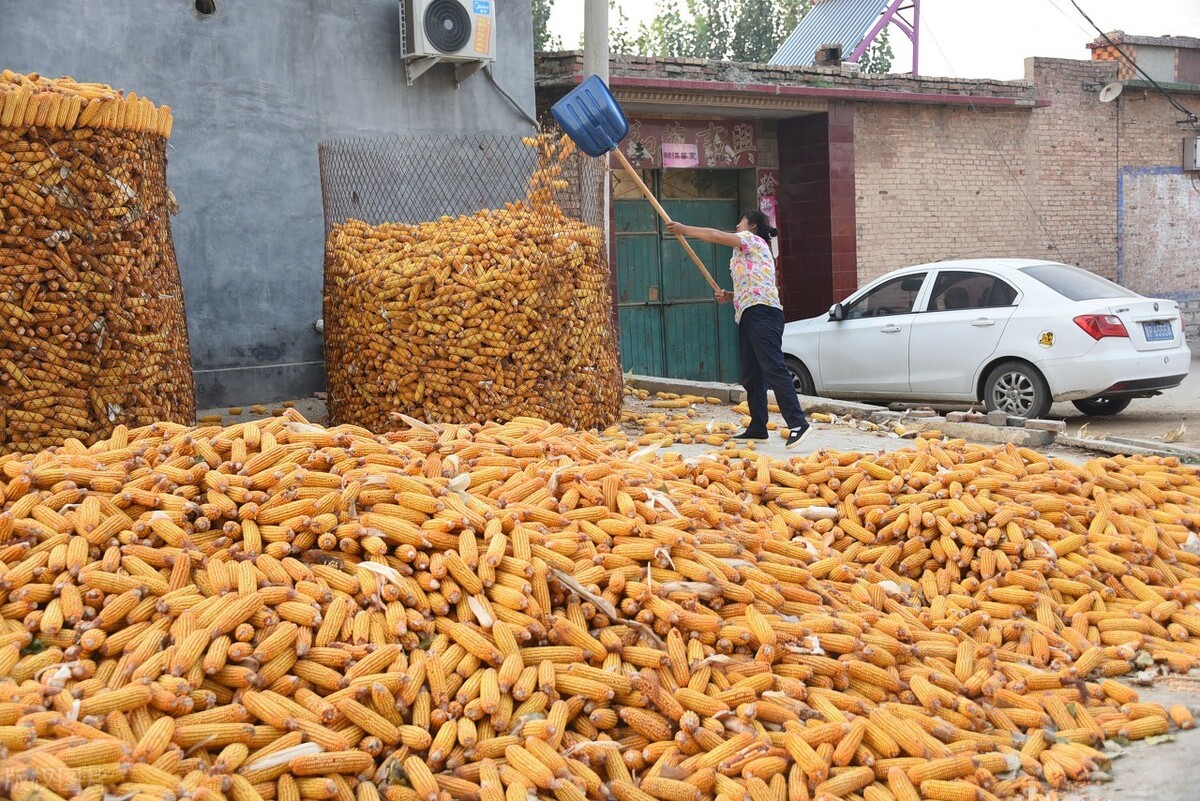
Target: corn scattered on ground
(92, 328)
(278, 610)
(670, 418)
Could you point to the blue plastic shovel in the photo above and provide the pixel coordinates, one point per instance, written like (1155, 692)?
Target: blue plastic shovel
(590, 115)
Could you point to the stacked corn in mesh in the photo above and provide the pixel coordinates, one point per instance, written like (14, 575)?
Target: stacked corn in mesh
(92, 327)
(491, 316)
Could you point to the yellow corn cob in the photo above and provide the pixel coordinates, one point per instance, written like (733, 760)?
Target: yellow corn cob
(1144, 727)
(530, 767)
(949, 791)
(669, 789)
(627, 791)
(851, 780)
(1181, 716)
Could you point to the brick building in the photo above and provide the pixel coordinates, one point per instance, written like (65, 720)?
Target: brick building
(867, 173)
(1166, 59)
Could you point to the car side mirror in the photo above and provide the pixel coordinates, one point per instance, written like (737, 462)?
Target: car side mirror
(836, 313)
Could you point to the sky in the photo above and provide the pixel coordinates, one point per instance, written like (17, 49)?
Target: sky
(978, 38)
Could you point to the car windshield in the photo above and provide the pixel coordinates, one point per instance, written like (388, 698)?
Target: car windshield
(1076, 284)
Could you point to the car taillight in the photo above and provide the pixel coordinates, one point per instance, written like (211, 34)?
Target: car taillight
(1099, 326)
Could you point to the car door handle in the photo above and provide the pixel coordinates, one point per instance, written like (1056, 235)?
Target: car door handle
(890, 329)
(983, 322)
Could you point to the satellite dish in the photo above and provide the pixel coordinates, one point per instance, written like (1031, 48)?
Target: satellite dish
(1111, 92)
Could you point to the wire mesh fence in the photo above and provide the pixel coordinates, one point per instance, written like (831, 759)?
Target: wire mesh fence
(421, 177)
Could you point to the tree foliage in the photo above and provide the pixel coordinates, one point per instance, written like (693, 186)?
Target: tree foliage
(878, 58)
(621, 36)
(759, 29)
(542, 39)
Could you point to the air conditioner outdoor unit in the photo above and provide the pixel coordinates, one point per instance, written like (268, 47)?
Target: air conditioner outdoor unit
(462, 32)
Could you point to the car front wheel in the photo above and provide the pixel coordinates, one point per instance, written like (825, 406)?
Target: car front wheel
(1017, 389)
(1102, 407)
(801, 378)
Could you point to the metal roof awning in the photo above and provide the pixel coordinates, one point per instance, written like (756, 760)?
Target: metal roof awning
(847, 23)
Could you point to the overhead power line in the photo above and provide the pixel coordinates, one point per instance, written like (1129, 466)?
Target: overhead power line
(1069, 17)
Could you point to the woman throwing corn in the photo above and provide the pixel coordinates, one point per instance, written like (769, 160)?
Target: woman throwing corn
(759, 316)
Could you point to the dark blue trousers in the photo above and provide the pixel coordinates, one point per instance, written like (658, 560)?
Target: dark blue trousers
(760, 343)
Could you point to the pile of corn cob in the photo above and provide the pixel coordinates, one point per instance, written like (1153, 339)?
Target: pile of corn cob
(277, 611)
(63, 104)
(92, 328)
(484, 317)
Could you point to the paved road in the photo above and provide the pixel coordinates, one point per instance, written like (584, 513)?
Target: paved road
(1147, 418)
(1168, 771)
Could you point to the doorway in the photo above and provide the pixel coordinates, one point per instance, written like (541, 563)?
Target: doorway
(670, 323)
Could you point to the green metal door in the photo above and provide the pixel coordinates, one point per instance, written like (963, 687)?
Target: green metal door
(639, 278)
(670, 324)
(699, 333)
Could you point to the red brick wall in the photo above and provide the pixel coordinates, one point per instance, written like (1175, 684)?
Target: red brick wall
(1073, 162)
(1089, 183)
(944, 182)
(1150, 135)
(804, 221)
(933, 182)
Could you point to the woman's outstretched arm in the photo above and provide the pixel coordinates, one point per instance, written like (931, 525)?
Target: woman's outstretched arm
(712, 235)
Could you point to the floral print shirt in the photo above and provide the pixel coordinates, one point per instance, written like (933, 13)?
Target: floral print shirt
(753, 272)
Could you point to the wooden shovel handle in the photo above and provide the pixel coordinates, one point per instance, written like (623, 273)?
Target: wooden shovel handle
(666, 218)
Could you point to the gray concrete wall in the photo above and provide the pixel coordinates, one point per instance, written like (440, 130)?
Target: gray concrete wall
(1158, 62)
(254, 88)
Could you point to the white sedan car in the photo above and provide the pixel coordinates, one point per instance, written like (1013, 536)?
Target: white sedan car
(1017, 334)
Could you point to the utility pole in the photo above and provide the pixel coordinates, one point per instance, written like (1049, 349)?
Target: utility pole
(595, 62)
(595, 38)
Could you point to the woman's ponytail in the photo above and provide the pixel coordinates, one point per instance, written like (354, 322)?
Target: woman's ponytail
(761, 225)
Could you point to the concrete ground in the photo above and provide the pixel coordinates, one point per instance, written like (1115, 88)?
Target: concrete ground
(1169, 771)
(313, 409)
(841, 437)
(1146, 418)
(1173, 416)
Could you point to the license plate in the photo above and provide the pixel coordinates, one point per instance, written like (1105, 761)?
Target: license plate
(1158, 331)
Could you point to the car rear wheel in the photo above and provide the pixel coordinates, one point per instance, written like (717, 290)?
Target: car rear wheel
(801, 378)
(1017, 389)
(1102, 407)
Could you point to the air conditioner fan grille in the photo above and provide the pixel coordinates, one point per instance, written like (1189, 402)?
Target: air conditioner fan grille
(447, 25)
